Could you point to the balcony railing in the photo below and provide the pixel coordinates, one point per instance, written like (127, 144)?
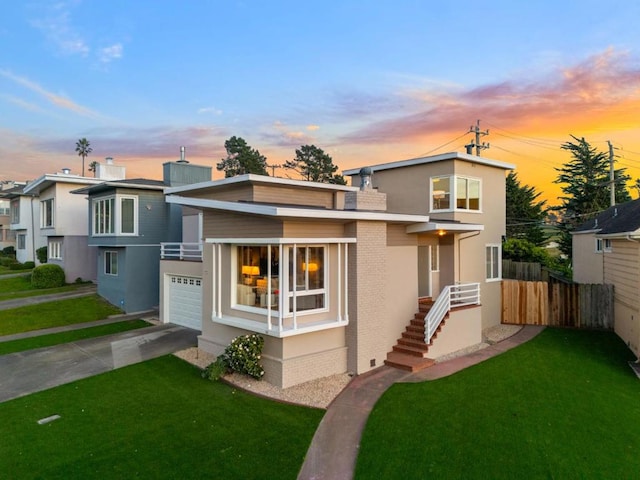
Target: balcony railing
(181, 251)
(452, 296)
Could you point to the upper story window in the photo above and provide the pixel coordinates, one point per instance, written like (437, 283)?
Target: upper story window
(465, 191)
(15, 211)
(46, 213)
(603, 245)
(116, 215)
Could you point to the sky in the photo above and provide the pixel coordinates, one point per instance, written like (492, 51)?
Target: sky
(367, 82)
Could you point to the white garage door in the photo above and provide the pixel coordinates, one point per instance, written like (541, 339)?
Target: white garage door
(185, 301)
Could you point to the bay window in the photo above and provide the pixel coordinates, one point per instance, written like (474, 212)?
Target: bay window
(115, 215)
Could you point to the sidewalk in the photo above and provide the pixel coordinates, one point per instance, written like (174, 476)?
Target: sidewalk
(334, 448)
(21, 302)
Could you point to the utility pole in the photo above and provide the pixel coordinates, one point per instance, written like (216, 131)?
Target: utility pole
(478, 133)
(612, 181)
(273, 169)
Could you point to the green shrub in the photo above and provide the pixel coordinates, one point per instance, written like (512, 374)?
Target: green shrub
(29, 264)
(9, 251)
(17, 266)
(41, 253)
(47, 276)
(7, 261)
(242, 356)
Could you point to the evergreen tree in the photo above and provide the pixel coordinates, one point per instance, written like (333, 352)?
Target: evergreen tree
(524, 213)
(242, 159)
(585, 185)
(314, 165)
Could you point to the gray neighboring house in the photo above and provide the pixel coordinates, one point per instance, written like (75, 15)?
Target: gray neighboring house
(128, 220)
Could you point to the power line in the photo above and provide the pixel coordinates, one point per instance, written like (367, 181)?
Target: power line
(443, 145)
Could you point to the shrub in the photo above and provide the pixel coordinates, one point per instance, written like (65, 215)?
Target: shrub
(29, 264)
(242, 356)
(17, 266)
(7, 261)
(9, 251)
(41, 253)
(47, 276)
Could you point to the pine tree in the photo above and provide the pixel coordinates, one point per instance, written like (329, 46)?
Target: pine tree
(314, 165)
(242, 159)
(524, 215)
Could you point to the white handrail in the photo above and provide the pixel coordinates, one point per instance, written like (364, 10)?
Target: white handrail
(181, 251)
(451, 296)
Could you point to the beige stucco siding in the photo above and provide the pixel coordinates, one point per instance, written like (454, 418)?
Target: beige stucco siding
(239, 193)
(587, 264)
(397, 236)
(402, 292)
(313, 230)
(293, 196)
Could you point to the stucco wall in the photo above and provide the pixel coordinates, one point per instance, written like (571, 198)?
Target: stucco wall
(462, 329)
(588, 265)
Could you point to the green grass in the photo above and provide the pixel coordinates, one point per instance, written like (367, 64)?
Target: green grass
(55, 314)
(19, 287)
(72, 336)
(564, 405)
(153, 420)
(7, 270)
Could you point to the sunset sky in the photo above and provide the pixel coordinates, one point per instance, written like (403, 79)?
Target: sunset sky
(368, 82)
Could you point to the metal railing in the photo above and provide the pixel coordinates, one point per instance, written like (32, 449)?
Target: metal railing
(452, 296)
(181, 251)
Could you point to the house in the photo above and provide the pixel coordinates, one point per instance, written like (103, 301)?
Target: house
(7, 235)
(63, 221)
(332, 275)
(606, 249)
(24, 212)
(128, 220)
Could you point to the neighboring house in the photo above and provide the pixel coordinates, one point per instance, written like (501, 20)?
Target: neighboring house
(606, 249)
(128, 220)
(63, 219)
(331, 275)
(24, 212)
(7, 235)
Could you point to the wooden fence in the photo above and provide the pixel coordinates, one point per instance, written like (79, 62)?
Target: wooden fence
(557, 304)
(521, 270)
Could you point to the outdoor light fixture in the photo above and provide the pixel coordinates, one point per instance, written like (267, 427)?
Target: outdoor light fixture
(441, 233)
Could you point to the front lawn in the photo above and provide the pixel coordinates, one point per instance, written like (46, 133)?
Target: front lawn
(55, 314)
(154, 420)
(71, 336)
(564, 405)
(19, 287)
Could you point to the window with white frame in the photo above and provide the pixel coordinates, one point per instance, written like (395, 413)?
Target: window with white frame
(15, 211)
(300, 278)
(21, 241)
(46, 213)
(110, 262)
(465, 190)
(434, 251)
(115, 215)
(607, 245)
(603, 245)
(493, 261)
(55, 249)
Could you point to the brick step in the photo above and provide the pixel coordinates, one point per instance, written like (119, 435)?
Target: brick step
(418, 322)
(407, 362)
(420, 315)
(413, 335)
(413, 351)
(412, 342)
(415, 328)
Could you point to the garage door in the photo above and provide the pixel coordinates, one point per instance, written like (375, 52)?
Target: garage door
(185, 301)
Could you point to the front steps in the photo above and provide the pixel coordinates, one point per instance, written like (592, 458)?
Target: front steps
(410, 353)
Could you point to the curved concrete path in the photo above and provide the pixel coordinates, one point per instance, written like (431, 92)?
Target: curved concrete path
(334, 448)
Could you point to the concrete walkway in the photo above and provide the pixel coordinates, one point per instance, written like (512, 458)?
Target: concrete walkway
(21, 302)
(334, 448)
(32, 371)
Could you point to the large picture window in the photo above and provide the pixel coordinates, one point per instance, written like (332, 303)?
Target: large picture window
(300, 279)
(116, 215)
(465, 190)
(46, 213)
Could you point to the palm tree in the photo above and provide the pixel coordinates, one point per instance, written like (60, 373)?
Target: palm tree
(83, 149)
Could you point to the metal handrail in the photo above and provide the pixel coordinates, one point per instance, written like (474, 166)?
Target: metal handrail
(460, 295)
(181, 251)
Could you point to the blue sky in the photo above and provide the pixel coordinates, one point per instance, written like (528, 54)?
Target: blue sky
(366, 81)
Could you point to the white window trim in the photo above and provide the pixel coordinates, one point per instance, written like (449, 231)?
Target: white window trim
(21, 239)
(437, 257)
(598, 245)
(109, 253)
(453, 197)
(117, 216)
(499, 249)
(43, 213)
(607, 247)
(54, 250)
